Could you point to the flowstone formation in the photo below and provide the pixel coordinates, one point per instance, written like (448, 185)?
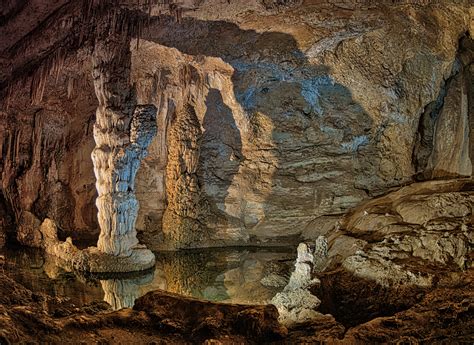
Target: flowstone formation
(186, 206)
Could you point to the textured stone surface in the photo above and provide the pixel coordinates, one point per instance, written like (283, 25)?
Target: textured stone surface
(296, 303)
(122, 133)
(186, 206)
(409, 232)
(92, 259)
(299, 123)
(28, 231)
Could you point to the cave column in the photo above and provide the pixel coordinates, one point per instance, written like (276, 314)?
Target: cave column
(183, 217)
(122, 133)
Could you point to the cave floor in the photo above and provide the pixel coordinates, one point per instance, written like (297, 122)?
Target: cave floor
(443, 316)
(232, 275)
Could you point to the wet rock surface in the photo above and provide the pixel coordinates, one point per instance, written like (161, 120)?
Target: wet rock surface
(445, 314)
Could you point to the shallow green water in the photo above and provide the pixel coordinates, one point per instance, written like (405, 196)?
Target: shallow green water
(235, 275)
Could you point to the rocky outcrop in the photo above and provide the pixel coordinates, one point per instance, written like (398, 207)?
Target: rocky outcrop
(396, 249)
(430, 222)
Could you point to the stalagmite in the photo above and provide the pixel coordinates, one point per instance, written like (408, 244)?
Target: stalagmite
(186, 205)
(122, 132)
(296, 303)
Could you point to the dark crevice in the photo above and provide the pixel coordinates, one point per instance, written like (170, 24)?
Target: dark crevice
(11, 9)
(353, 300)
(7, 219)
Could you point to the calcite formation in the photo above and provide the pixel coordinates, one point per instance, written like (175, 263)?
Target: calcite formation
(406, 233)
(122, 133)
(182, 220)
(296, 303)
(299, 123)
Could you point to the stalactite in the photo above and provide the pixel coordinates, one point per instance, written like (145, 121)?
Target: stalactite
(126, 19)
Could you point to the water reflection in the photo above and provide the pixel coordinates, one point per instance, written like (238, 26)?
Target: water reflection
(226, 275)
(122, 293)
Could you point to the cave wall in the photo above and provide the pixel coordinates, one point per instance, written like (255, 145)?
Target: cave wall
(46, 166)
(304, 112)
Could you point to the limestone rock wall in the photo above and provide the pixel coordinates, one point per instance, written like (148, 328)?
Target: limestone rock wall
(444, 146)
(305, 111)
(301, 124)
(45, 164)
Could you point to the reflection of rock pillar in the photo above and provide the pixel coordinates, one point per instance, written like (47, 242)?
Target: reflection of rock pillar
(122, 133)
(120, 293)
(181, 219)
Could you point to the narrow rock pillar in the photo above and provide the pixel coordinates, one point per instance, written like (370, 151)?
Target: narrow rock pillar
(122, 133)
(182, 218)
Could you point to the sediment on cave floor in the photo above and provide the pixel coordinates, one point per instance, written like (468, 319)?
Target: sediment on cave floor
(227, 172)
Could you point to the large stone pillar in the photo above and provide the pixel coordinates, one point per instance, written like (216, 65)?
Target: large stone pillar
(122, 133)
(182, 219)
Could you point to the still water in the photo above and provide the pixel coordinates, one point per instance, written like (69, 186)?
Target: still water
(235, 275)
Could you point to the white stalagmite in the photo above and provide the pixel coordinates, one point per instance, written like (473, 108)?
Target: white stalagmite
(296, 303)
(122, 132)
(115, 166)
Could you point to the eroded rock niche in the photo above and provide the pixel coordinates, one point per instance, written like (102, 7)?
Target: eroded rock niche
(444, 143)
(122, 133)
(186, 205)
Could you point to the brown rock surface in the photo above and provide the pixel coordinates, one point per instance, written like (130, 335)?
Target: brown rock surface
(306, 110)
(442, 315)
(159, 316)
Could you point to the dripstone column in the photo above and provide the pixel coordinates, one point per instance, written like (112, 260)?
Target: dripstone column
(181, 220)
(122, 133)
